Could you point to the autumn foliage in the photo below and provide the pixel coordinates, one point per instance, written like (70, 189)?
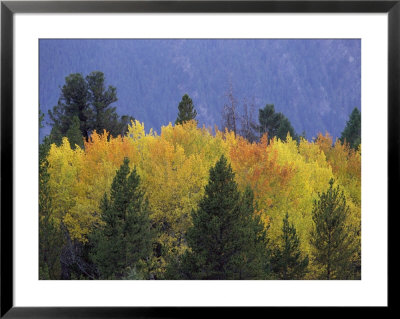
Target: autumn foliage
(285, 177)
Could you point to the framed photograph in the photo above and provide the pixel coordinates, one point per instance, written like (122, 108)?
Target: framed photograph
(162, 155)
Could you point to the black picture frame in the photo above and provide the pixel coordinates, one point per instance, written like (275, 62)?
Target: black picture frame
(9, 8)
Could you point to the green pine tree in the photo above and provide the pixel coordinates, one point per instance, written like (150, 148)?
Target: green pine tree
(332, 240)
(124, 242)
(275, 124)
(89, 100)
(226, 240)
(352, 132)
(284, 128)
(186, 109)
(74, 100)
(74, 133)
(103, 116)
(254, 258)
(269, 120)
(287, 261)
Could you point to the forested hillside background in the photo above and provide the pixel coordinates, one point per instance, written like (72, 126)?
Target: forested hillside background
(315, 83)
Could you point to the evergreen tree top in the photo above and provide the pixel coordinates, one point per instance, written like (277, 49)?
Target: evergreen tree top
(186, 110)
(275, 123)
(352, 132)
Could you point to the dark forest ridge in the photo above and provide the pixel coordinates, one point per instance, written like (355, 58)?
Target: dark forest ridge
(315, 83)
